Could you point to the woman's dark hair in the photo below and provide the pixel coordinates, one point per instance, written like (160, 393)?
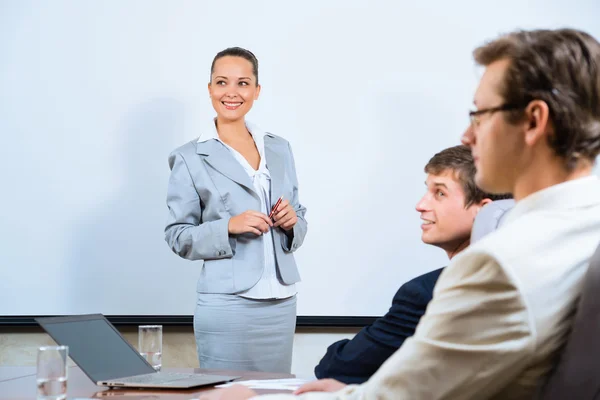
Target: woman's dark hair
(237, 52)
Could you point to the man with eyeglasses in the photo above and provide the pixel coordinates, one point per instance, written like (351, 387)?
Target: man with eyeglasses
(503, 308)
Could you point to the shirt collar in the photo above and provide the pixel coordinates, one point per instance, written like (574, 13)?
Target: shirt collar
(576, 193)
(259, 137)
(210, 132)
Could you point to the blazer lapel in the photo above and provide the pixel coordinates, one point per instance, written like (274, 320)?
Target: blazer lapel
(221, 159)
(276, 168)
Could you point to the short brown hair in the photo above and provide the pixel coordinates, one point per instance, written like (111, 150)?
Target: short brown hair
(562, 68)
(459, 160)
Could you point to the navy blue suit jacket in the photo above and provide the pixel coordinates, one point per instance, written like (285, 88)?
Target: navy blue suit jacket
(354, 361)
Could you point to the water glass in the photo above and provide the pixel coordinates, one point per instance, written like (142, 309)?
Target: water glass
(52, 372)
(150, 344)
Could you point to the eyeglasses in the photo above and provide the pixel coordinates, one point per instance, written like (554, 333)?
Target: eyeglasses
(474, 115)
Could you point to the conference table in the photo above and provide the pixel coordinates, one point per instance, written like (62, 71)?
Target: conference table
(20, 383)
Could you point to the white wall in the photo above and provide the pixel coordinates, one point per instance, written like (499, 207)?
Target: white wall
(310, 345)
(94, 95)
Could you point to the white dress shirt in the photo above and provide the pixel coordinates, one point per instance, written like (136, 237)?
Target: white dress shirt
(501, 310)
(268, 286)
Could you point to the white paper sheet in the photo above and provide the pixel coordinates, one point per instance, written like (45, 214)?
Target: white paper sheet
(276, 384)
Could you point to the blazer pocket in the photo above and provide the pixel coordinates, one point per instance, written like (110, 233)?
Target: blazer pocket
(216, 276)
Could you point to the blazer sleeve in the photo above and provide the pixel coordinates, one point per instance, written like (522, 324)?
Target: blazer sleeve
(474, 339)
(291, 242)
(185, 232)
(354, 361)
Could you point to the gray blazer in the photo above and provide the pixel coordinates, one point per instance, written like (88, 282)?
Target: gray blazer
(206, 188)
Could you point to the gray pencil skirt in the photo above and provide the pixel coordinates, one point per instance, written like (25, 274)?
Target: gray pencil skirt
(236, 333)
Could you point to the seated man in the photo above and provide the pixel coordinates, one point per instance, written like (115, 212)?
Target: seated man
(447, 210)
(503, 308)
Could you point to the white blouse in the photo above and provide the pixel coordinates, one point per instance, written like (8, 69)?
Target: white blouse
(268, 286)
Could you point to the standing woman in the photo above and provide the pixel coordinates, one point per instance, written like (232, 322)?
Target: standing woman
(222, 188)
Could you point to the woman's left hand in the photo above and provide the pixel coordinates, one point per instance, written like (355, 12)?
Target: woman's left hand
(285, 216)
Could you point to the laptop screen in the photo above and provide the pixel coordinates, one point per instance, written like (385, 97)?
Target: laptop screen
(96, 346)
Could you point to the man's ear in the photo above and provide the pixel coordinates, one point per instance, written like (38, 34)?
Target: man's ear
(484, 202)
(477, 206)
(537, 121)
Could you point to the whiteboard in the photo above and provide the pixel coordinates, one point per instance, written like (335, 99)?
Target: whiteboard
(94, 96)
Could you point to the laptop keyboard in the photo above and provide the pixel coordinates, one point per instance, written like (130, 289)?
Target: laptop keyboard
(159, 378)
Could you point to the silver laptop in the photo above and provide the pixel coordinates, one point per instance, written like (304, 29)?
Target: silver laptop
(109, 360)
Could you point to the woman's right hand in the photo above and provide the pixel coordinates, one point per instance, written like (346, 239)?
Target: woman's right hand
(250, 221)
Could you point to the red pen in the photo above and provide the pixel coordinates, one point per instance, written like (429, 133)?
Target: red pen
(275, 207)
